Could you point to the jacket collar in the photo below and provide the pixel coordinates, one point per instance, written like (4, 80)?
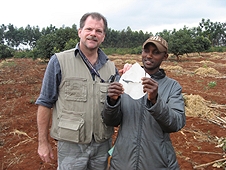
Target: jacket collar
(160, 74)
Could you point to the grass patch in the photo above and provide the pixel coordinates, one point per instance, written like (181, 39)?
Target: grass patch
(7, 63)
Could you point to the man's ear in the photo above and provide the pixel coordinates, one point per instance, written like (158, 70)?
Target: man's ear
(165, 56)
(79, 32)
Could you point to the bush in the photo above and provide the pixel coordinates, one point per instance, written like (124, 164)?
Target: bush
(24, 54)
(70, 44)
(212, 84)
(122, 51)
(217, 49)
(5, 51)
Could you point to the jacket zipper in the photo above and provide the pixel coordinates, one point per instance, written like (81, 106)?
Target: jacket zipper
(140, 127)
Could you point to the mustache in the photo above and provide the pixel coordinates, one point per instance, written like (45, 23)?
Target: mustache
(92, 38)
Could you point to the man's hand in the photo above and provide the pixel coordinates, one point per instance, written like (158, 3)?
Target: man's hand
(151, 87)
(126, 67)
(44, 147)
(45, 151)
(115, 89)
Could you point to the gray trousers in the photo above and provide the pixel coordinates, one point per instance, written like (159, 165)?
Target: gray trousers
(92, 156)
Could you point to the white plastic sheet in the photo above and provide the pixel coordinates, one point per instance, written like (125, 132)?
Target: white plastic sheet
(131, 81)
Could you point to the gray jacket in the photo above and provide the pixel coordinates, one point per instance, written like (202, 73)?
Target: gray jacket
(143, 141)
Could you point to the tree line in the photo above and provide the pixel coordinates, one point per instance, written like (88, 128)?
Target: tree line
(43, 43)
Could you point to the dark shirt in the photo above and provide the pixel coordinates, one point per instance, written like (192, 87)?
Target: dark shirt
(52, 78)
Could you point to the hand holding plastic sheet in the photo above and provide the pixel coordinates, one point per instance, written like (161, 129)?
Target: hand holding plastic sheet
(131, 81)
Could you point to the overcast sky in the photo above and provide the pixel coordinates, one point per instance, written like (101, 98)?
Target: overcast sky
(146, 15)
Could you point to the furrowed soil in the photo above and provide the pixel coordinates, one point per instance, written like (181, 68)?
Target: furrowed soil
(199, 145)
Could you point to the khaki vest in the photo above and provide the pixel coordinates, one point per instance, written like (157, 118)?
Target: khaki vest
(77, 112)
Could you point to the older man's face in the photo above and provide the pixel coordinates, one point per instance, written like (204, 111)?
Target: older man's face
(92, 34)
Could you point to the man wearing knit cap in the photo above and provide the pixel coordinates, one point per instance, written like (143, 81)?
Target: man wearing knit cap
(143, 140)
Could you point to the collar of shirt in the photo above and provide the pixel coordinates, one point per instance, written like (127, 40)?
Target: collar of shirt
(159, 74)
(102, 58)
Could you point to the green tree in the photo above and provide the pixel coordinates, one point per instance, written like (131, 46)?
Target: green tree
(70, 44)
(48, 30)
(111, 39)
(12, 36)
(165, 34)
(215, 32)
(2, 30)
(5, 51)
(51, 39)
(63, 35)
(201, 44)
(31, 35)
(56, 41)
(180, 42)
(45, 46)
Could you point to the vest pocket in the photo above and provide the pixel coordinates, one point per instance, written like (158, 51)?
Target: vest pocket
(76, 89)
(103, 92)
(104, 132)
(71, 129)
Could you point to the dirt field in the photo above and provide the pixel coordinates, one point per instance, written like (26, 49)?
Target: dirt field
(199, 145)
